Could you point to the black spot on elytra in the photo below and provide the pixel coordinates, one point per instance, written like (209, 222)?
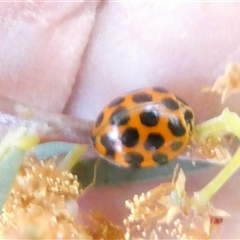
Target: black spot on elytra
(176, 145)
(176, 127)
(109, 145)
(160, 89)
(119, 117)
(116, 102)
(134, 159)
(153, 141)
(188, 116)
(99, 119)
(170, 103)
(149, 118)
(93, 139)
(160, 158)
(141, 97)
(130, 137)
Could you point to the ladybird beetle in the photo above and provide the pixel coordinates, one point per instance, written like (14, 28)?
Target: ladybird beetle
(143, 128)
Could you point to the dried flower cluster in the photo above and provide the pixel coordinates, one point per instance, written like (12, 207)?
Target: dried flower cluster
(213, 149)
(103, 229)
(167, 212)
(227, 84)
(40, 202)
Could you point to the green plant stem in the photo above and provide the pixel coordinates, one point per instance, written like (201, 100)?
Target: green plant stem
(222, 177)
(227, 122)
(212, 126)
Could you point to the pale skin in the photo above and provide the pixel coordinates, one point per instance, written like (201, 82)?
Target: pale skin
(94, 54)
